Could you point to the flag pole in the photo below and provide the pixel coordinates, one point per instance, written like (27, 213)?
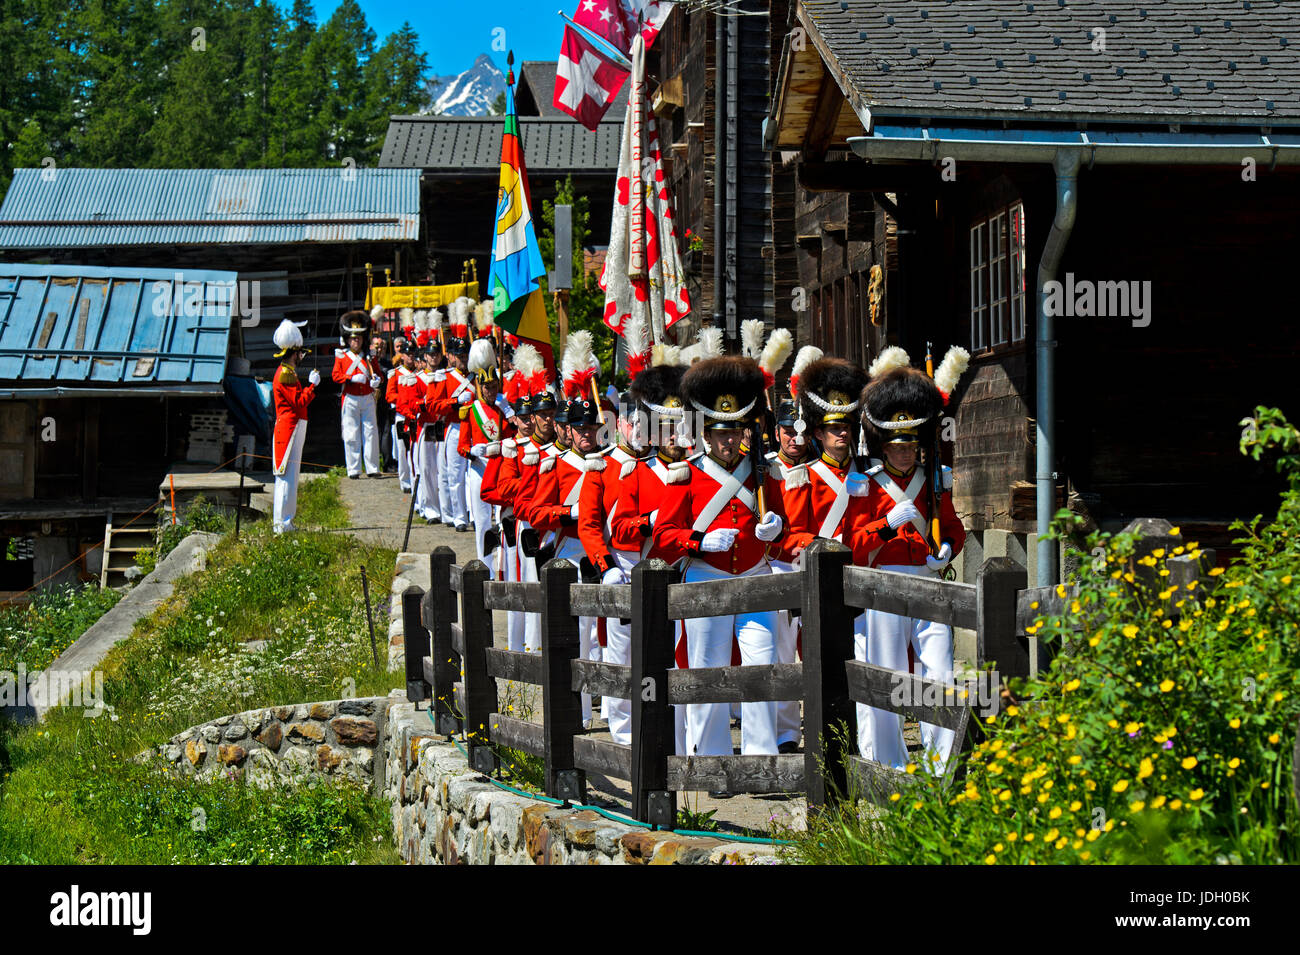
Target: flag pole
(614, 53)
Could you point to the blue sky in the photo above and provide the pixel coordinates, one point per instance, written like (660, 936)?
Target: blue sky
(454, 32)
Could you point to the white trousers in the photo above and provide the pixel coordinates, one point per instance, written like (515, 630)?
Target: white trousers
(787, 649)
(528, 573)
(480, 512)
(882, 639)
(708, 644)
(588, 644)
(451, 479)
(285, 504)
(426, 465)
(618, 649)
(514, 618)
(403, 456)
(360, 434)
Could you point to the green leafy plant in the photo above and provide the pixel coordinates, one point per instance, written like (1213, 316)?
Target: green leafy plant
(37, 633)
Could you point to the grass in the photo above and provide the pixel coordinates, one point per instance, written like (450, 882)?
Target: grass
(273, 619)
(37, 633)
(320, 503)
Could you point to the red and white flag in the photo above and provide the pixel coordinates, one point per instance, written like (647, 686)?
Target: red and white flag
(617, 21)
(586, 82)
(643, 273)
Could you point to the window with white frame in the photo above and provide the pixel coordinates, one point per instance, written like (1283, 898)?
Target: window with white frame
(997, 279)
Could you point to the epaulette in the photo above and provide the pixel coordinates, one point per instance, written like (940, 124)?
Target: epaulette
(594, 462)
(339, 352)
(628, 467)
(874, 469)
(796, 476)
(695, 457)
(493, 449)
(407, 380)
(287, 376)
(462, 412)
(508, 448)
(530, 457)
(547, 465)
(440, 374)
(679, 472)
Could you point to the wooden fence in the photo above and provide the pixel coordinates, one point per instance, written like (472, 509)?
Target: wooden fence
(449, 629)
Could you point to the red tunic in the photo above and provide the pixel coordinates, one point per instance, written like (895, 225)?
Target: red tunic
(483, 424)
(390, 389)
(598, 506)
(547, 510)
(523, 487)
(876, 544)
(349, 363)
(446, 405)
(291, 400)
(641, 495)
(809, 505)
(684, 502)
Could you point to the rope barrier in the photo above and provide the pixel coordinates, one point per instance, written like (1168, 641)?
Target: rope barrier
(619, 817)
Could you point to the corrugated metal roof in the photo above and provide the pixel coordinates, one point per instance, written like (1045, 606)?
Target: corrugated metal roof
(471, 145)
(101, 327)
(77, 208)
(1220, 60)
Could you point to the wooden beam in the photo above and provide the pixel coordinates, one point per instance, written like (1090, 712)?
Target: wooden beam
(853, 175)
(737, 774)
(825, 117)
(759, 683)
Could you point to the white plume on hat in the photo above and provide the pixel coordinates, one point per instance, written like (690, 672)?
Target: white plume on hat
(421, 321)
(891, 359)
(578, 354)
(751, 337)
(709, 345)
(666, 355)
(483, 315)
(376, 313)
(779, 347)
(950, 370)
(406, 317)
(458, 311)
(434, 319)
(482, 356)
(527, 360)
(288, 335)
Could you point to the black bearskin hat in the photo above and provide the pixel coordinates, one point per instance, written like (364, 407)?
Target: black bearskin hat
(727, 391)
(900, 403)
(831, 389)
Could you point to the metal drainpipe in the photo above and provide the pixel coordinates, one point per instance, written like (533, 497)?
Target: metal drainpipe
(719, 166)
(1066, 165)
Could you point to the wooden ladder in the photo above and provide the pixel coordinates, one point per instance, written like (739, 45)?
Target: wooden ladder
(121, 544)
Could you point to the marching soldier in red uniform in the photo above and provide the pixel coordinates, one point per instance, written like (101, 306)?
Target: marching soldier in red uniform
(292, 398)
(518, 483)
(360, 378)
(713, 519)
(888, 524)
(483, 428)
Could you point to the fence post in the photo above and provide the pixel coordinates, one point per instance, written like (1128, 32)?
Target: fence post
(561, 706)
(995, 617)
(653, 736)
(415, 645)
(827, 644)
(439, 613)
(480, 689)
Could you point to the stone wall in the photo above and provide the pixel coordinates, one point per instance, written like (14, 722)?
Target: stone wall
(444, 813)
(332, 738)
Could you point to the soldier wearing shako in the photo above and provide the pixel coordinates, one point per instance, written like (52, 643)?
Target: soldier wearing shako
(291, 400)
(890, 524)
(360, 378)
(428, 426)
(715, 521)
(483, 428)
(404, 395)
(554, 507)
(456, 389)
(403, 364)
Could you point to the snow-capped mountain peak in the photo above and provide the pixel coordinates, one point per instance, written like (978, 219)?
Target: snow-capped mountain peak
(472, 92)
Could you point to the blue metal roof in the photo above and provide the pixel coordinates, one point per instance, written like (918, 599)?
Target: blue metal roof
(79, 208)
(113, 328)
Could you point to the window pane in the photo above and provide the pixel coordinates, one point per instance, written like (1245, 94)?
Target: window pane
(1018, 290)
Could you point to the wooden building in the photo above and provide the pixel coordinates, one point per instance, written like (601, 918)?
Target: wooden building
(978, 151)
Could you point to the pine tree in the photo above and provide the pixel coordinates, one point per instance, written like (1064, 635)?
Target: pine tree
(121, 73)
(296, 136)
(395, 80)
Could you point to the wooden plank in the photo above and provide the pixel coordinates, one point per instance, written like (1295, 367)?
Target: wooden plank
(480, 687)
(927, 700)
(601, 600)
(1000, 579)
(517, 734)
(744, 684)
(1049, 605)
(653, 639)
(561, 706)
(737, 774)
(602, 756)
(876, 781)
(602, 679)
(717, 598)
(503, 595)
(438, 610)
(457, 578)
(415, 646)
(457, 634)
(514, 665)
(827, 643)
(458, 696)
(907, 595)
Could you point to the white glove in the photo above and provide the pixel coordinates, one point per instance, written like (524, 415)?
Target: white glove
(359, 378)
(374, 381)
(858, 485)
(573, 512)
(478, 450)
(466, 397)
(615, 575)
(769, 528)
(314, 377)
(715, 542)
(941, 561)
(902, 513)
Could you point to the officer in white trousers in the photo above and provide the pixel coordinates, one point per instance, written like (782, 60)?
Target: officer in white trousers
(359, 377)
(457, 390)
